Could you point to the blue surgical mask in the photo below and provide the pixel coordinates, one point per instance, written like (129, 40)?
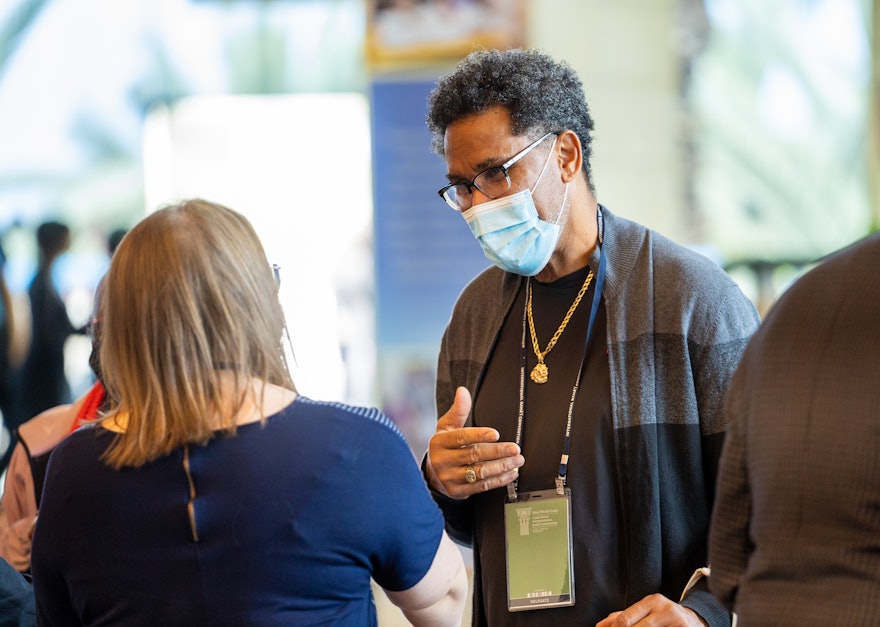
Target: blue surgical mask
(512, 235)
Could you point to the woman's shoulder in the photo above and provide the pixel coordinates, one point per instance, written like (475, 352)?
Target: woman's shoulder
(80, 453)
(362, 415)
(90, 434)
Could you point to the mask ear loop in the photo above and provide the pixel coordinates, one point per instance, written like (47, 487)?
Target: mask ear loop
(546, 163)
(541, 175)
(285, 332)
(562, 206)
(599, 220)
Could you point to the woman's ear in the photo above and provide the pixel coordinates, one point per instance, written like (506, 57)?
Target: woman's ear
(570, 155)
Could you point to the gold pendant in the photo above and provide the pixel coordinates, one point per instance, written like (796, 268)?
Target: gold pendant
(539, 373)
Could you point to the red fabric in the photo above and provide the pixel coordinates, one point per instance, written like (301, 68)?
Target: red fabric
(88, 411)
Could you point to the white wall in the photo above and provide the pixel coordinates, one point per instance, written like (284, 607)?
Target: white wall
(625, 53)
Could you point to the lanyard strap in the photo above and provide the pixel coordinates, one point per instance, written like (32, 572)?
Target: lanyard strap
(566, 442)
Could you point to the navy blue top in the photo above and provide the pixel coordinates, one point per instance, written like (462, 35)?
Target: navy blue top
(293, 518)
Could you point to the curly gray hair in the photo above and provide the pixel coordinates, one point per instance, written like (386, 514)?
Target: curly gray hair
(540, 93)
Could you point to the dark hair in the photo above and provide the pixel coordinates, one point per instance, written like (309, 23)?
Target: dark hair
(52, 238)
(114, 238)
(540, 94)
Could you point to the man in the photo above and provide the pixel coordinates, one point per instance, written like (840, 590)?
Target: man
(622, 429)
(795, 535)
(43, 382)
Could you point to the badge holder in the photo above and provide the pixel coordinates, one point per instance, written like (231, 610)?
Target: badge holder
(540, 571)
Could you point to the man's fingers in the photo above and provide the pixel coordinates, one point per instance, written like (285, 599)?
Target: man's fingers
(496, 468)
(465, 460)
(474, 453)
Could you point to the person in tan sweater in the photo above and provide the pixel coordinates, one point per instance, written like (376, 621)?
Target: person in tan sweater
(36, 439)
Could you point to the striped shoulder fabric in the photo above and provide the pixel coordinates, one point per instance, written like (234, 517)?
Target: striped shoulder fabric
(370, 413)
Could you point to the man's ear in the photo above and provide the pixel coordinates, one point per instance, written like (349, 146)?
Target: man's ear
(570, 155)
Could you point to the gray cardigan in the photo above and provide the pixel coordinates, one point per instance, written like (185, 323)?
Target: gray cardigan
(676, 327)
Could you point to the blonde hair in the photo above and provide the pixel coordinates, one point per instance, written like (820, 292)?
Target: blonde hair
(191, 304)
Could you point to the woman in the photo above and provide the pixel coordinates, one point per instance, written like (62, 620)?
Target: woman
(212, 493)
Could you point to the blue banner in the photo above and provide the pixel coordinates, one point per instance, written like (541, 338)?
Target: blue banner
(425, 253)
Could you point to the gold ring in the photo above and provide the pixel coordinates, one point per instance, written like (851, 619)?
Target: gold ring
(469, 475)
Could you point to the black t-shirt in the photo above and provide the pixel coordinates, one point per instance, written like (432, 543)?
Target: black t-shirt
(596, 514)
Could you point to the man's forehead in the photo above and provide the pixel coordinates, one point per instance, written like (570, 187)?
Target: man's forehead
(494, 120)
(478, 141)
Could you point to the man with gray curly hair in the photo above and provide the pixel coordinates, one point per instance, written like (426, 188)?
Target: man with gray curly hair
(581, 376)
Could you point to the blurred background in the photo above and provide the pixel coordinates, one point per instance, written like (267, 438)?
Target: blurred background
(744, 129)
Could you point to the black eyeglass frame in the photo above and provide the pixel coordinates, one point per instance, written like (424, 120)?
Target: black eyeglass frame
(503, 168)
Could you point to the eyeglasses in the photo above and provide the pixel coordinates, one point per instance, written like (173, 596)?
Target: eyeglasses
(493, 182)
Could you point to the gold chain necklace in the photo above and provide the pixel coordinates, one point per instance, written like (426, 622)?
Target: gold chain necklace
(540, 372)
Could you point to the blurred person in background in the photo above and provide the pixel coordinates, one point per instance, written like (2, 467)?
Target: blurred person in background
(213, 493)
(795, 535)
(7, 403)
(114, 238)
(42, 380)
(37, 438)
(16, 598)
